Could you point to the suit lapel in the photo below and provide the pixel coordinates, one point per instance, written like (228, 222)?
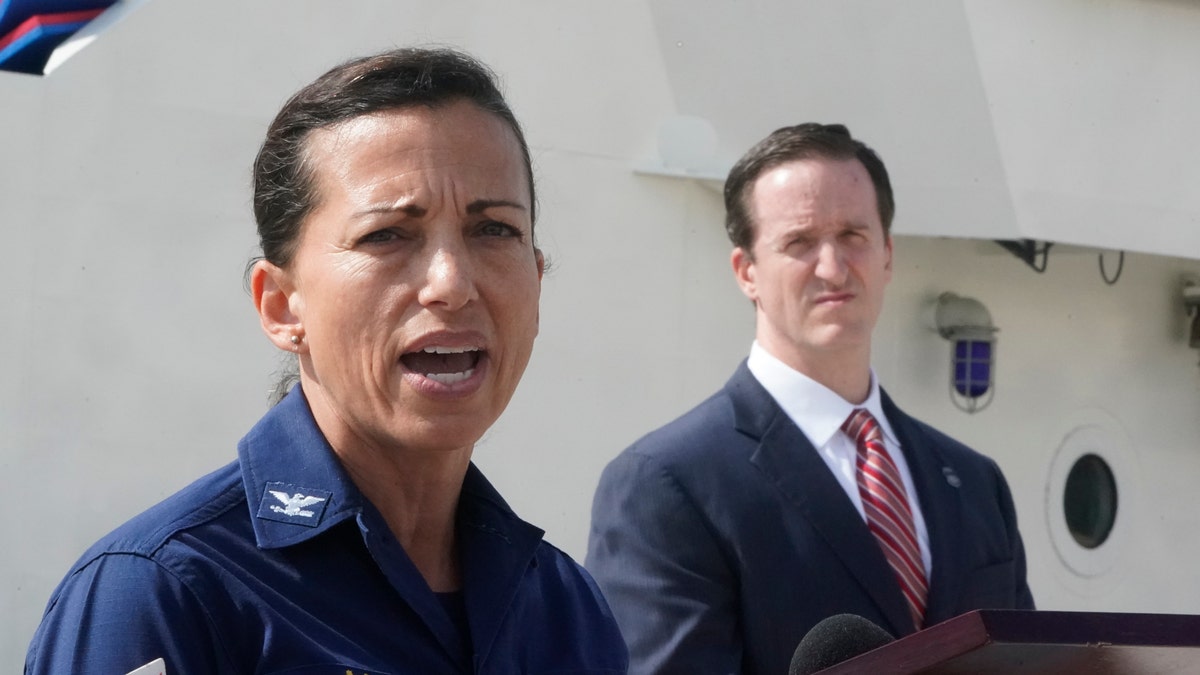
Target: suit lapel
(789, 461)
(938, 494)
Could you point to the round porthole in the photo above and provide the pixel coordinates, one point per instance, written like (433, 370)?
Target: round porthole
(1090, 501)
(1095, 463)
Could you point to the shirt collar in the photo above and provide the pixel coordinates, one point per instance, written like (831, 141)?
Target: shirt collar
(816, 409)
(295, 487)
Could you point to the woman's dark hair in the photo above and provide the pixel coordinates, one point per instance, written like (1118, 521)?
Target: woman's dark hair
(791, 144)
(284, 191)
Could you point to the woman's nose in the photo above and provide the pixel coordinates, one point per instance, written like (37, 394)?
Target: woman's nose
(449, 281)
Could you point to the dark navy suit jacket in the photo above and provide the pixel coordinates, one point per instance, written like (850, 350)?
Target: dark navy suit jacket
(722, 538)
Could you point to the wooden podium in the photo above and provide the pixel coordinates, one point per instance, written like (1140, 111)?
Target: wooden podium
(986, 642)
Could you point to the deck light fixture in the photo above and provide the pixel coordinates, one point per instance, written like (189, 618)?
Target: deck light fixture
(966, 323)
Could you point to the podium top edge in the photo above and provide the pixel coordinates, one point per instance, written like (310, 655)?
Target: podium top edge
(1071, 627)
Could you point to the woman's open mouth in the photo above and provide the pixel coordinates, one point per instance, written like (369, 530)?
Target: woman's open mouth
(444, 365)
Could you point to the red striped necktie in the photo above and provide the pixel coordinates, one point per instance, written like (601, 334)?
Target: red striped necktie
(888, 514)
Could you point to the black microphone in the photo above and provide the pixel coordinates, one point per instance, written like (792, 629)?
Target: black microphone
(836, 639)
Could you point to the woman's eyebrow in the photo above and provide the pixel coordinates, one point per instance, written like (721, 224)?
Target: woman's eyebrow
(475, 207)
(480, 205)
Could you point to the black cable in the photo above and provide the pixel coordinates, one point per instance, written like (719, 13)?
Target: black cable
(1120, 268)
(1045, 253)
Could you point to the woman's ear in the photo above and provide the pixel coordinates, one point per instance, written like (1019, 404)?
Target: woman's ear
(273, 292)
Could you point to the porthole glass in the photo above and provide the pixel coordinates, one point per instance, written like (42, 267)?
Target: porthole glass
(1090, 501)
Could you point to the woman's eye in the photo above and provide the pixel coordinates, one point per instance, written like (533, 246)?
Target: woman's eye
(379, 236)
(493, 228)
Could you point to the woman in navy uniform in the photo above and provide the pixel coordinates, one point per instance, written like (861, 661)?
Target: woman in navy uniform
(395, 207)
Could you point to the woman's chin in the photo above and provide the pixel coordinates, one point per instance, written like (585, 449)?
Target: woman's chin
(442, 422)
(443, 435)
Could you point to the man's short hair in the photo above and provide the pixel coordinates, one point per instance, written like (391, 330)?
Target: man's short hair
(790, 144)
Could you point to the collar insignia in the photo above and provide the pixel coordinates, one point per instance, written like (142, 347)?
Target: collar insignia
(289, 503)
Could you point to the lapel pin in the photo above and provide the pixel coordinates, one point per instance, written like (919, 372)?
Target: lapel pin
(951, 477)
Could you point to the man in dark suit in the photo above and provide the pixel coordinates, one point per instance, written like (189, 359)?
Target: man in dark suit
(800, 490)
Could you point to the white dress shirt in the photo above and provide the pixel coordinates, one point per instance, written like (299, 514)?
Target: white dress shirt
(820, 413)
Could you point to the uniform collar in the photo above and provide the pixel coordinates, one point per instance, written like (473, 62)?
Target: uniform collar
(295, 487)
(286, 453)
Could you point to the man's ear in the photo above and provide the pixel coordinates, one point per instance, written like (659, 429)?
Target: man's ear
(744, 272)
(272, 290)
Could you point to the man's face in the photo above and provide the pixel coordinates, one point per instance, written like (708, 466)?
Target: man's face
(819, 261)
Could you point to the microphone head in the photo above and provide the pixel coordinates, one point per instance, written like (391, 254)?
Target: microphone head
(836, 639)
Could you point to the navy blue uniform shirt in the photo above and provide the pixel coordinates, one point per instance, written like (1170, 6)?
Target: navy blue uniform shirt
(278, 564)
